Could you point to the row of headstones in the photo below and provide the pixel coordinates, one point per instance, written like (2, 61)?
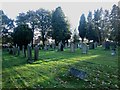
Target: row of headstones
(29, 53)
(15, 50)
(107, 45)
(84, 47)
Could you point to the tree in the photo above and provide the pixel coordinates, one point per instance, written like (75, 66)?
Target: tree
(82, 27)
(105, 26)
(97, 23)
(90, 33)
(75, 37)
(22, 35)
(60, 26)
(114, 18)
(44, 17)
(40, 18)
(7, 25)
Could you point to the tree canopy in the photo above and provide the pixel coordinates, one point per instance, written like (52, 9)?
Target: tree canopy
(60, 26)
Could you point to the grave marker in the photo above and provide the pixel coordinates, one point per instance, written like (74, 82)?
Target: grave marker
(36, 52)
(78, 73)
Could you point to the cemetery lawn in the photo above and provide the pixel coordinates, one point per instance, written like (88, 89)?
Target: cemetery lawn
(52, 70)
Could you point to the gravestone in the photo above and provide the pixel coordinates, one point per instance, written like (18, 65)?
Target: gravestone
(113, 52)
(48, 46)
(45, 47)
(78, 73)
(36, 52)
(66, 45)
(53, 46)
(14, 50)
(95, 44)
(103, 44)
(113, 48)
(107, 45)
(60, 46)
(10, 49)
(84, 48)
(18, 51)
(29, 53)
(23, 51)
(72, 47)
(91, 45)
(80, 45)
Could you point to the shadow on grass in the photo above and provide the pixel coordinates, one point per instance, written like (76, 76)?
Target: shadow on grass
(9, 61)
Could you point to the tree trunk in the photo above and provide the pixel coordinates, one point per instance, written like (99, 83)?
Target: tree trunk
(43, 40)
(82, 39)
(32, 35)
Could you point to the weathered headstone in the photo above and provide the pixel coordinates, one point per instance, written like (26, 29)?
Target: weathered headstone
(60, 46)
(66, 45)
(91, 45)
(95, 44)
(14, 50)
(78, 73)
(53, 46)
(36, 52)
(29, 53)
(72, 47)
(107, 45)
(84, 48)
(113, 48)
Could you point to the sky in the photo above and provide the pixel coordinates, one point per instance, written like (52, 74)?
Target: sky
(72, 10)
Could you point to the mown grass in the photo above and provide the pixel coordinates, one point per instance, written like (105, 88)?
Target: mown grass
(52, 70)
